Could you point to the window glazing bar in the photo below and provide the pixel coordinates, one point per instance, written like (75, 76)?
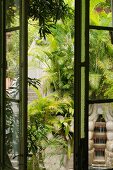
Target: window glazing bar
(12, 100)
(12, 29)
(100, 101)
(100, 28)
(77, 86)
(83, 64)
(86, 80)
(23, 83)
(2, 83)
(81, 77)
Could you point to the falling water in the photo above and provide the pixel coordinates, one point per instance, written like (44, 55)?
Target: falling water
(99, 140)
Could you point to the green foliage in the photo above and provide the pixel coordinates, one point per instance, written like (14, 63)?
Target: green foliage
(100, 12)
(11, 128)
(57, 57)
(50, 115)
(100, 63)
(32, 31)
(33, 82)
(48, 12)
(12, 54)
(53, 115)
(101, 54)
(12, 11)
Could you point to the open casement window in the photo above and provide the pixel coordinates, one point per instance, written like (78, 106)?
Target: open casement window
(93, 84)
(81, 87)
(13, 84)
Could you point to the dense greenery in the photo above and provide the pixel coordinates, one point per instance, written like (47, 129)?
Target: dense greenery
(52, 113)
(56, 54)
(50, 121)
(12, 56)
(50, 117)
(100, 52)
(47, 12)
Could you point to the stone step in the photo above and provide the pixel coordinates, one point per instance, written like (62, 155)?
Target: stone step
(99, 168)
(99, 161)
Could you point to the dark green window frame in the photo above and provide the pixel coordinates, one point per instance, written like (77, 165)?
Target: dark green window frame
(81, 85)
(22, 28)
(82, 61)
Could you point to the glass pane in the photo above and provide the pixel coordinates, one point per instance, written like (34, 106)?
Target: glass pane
(101, 135)
(83, 33)
(101, 13)
(12, 134)
(12, 13)
(12, 58)
(82, 101)
(100, 65)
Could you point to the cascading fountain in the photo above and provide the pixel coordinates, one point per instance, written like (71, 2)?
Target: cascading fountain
(100, 137)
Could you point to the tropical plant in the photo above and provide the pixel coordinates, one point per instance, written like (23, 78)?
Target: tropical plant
(12, 12)
(100, 53)
(50, 116)
(56, 59)
(100, 13)
(47, 13)
(55, 56)
(12, 56)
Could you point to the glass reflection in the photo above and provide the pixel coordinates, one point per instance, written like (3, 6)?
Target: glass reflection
(101, 13)
(100, 65)
(12, 58)
(12, 133)
(12, 13)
